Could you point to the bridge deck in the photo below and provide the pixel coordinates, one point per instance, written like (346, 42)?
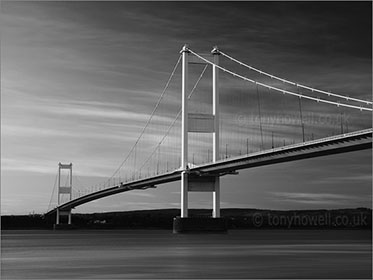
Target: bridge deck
(353, 141)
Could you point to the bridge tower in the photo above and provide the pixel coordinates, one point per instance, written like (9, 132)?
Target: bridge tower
(64, 190)
(199, 123)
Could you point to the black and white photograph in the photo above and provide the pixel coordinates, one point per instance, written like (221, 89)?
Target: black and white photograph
(186, 139)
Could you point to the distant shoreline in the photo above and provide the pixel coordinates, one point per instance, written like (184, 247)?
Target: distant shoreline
(236, 218)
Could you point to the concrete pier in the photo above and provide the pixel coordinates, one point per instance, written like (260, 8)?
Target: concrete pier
(199, 225)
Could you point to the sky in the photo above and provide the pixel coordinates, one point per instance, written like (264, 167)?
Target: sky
(79, 81)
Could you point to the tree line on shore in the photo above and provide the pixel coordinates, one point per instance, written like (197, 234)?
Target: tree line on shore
(358, 218)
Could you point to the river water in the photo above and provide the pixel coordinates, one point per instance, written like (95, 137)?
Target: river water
(159, 254)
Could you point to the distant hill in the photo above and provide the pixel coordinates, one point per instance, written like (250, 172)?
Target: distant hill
(359, 218)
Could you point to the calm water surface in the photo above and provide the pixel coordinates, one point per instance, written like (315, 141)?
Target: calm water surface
(120, 254)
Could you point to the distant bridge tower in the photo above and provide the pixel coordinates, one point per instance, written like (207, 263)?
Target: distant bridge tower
(64, 190)
(199, 123)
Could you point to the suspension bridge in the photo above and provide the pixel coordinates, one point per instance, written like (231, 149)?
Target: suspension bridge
(221, 115)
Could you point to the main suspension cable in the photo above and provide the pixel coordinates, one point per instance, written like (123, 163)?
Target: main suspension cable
(295, 84)
(282, 90)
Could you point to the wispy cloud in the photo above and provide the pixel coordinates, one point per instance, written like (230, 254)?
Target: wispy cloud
(44, 166)
(141, 194)
(28, 166)
(319, 198)
(348, 179)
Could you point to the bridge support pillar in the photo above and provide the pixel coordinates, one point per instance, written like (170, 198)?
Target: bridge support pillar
(184, 194)
(60, 224)
(216, 145)
(216, 199)
(199, 123)
(184, 133)
(58, 216)
(64, 190)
